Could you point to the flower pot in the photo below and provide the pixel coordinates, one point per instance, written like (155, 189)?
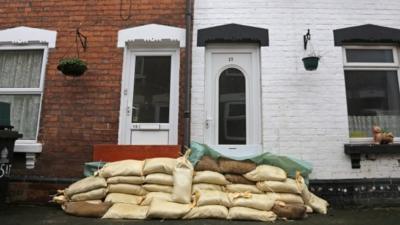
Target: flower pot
(72, 67)
(311, 62)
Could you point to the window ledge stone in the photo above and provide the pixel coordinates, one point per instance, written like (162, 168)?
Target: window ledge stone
(356, 150)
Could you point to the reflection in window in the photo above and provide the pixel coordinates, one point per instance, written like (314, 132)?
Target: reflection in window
(372, 99)
(152, 89)
(232, 107)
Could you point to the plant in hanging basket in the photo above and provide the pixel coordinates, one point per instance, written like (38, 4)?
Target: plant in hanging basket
(311, 62)
(74, 67)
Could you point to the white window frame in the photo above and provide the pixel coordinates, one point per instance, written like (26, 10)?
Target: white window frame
(392, 66)
(29, 146)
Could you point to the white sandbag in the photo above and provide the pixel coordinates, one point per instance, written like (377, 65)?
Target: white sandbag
(124, 198)
(287, 186)
(151, 196)
(131, 189)
(266, 172)
(207, 197)
(125, 180)
(318, 204)
(85, 185)
(159, 178)
(256, 201)
(127, 167)
(309, 209)
(243, 213)
(86, 209)
(157, 188)
(243, 188)
(207, 212)
(202, 186)
(288, 198)
(96, 194)
(126, 211)
(183, 175)
(159, 165)
(209, 177)
(167, 210)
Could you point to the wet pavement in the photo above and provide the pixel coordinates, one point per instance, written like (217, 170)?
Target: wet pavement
(39, 214)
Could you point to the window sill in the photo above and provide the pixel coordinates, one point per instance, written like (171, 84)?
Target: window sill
(30, 149)
(356, 150)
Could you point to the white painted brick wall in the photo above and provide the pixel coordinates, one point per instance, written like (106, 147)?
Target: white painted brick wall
(304, 113)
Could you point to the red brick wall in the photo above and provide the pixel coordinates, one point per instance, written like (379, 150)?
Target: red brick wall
(80, 112)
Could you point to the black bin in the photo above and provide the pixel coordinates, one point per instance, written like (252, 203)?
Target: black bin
(7, 142)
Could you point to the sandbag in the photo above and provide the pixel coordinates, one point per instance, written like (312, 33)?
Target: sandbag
(94, 201)
(212, 187)
(243, 213)
(151, 196)
(159, 165)
(243, 188)
(90, 195)
(157, 188)
(126, 211)
(287, 186)
(238, 179)
(124, 198)
(125, 180)
(256, 201)
(234, 166)
(183, 175)
(85, 185)
(207, 163)
(127, 167)
(288, 198)
(159, 178)
(207, 197)
(266, 173)
(318, 204)
(207, 212)
(289, 211)
(167, 210)
(86, 209)
(131, 189)
(209, 177)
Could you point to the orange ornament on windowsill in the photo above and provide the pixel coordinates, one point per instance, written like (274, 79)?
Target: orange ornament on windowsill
(381, 137)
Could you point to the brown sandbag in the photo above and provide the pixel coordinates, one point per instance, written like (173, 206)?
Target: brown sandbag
(290, 211)
(235, 167)
(238, 179)
(86, 209)
(207, 163)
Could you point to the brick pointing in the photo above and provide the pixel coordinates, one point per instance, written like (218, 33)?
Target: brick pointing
(80, 112)
(304, 114)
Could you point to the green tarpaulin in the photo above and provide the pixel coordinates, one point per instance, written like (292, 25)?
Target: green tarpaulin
(289, 164)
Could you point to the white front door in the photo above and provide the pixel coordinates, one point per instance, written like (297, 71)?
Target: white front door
(149, 109)
(233, 111)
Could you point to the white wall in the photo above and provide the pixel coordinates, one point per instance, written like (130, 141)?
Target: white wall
(304, 113)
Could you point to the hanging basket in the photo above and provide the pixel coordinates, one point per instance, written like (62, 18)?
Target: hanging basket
(311, 62)
(74, 67)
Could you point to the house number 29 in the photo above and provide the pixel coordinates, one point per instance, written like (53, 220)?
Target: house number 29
(230, 59)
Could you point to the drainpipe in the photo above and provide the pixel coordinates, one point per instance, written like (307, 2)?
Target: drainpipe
(188, 71)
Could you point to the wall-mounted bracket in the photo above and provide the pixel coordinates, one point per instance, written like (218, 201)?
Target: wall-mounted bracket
(306, 39)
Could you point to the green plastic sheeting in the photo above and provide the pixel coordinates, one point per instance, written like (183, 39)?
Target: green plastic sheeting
(91, 167)
(289, 164)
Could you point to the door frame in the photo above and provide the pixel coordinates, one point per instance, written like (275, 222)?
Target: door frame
(127, 90)
(253, 91)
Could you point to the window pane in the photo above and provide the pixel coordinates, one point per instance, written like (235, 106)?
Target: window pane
(24, 113)
(372, 99)
(370, 55)
(20, 68)
(232, 107)
(152, 89)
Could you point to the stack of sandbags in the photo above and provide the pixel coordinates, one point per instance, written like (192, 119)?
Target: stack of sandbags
(158, 179)
(209, 204)
(89, 188)
(124, 180)
(180, 205)
(207, 165)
